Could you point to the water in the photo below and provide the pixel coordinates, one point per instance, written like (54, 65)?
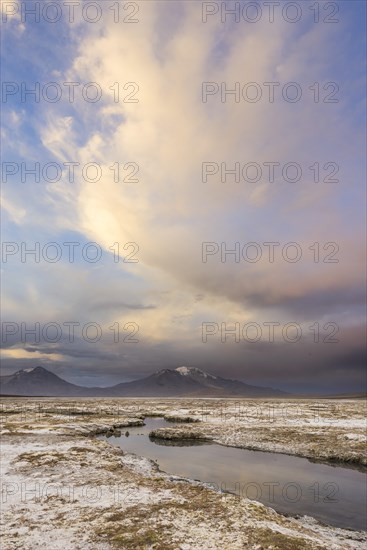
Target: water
(296, 486)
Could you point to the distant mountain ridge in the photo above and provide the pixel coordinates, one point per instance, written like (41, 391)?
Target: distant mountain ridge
(179, 382)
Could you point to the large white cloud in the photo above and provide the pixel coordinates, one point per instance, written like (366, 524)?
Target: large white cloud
(169, 133)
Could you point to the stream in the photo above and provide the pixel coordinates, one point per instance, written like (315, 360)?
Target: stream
(291, 485)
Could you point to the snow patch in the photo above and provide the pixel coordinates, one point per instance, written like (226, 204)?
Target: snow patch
(183, 370)
(187, 371)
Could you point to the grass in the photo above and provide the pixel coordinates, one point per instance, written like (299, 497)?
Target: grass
(277, 541)
(43, 459)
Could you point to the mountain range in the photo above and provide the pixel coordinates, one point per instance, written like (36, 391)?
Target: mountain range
(179, 382)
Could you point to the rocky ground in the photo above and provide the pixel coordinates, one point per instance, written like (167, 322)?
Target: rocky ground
(64, 488)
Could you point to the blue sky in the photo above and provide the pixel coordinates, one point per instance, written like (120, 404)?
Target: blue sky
(169, 212)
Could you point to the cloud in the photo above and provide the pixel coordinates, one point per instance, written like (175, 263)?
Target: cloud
(15, 213)
(169, 212)
(30, 354)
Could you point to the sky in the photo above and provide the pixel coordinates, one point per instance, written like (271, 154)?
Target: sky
(192, 185)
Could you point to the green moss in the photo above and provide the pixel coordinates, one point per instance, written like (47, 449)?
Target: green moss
(278, 541)
(42, 459)
(147, 539)
(83, 450)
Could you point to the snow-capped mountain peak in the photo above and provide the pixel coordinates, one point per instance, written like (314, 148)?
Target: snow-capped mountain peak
(183, 370)
(192, 371)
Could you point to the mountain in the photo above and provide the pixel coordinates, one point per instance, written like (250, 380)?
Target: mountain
(40, 382)
(179, 382)
(190, 382)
